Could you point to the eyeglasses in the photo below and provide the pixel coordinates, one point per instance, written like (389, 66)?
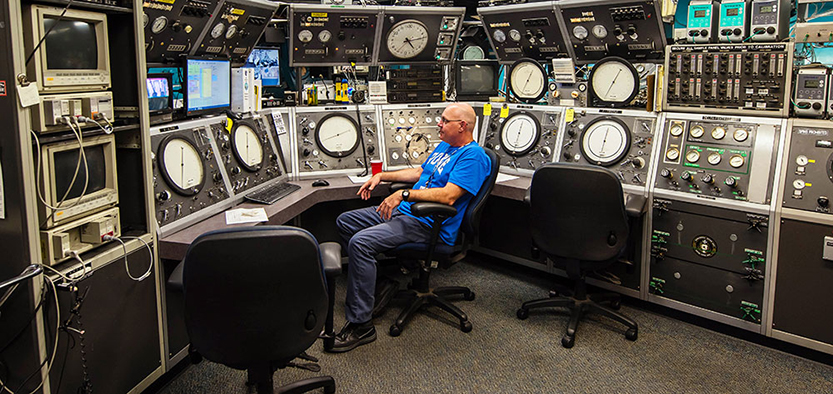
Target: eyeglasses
(443, 120)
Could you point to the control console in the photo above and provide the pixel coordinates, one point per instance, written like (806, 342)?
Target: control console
(322, 35)
(525, 137)
(247, 152)
(808, 173)
(234, 29)
(173, 27)
(525, 31)
(409, 133)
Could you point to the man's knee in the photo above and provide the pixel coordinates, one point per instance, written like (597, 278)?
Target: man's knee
(342, 222)
(360, 244)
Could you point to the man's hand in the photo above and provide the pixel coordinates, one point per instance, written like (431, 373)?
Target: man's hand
(368, 186)
(387, 206)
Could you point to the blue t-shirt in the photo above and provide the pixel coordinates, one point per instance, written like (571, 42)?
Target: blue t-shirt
(465, 166)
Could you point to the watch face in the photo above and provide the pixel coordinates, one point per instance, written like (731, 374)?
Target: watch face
(519, 134)
(247, 147)
(528, 80)
(605, 141)
(337, 135)
(181, 165)
(614, 81)
(407, 39)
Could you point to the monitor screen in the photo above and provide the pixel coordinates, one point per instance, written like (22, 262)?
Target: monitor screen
(265, 62)
(71, 45)
(64, 169)
(159, 93)
(477, 79)
(209, 84)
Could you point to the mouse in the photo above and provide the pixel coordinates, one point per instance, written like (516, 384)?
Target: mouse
(321, 182)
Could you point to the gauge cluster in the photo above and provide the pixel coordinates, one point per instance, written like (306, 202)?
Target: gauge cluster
(620, 140)
(330, 140)
(525, 31)
(409, 133)
(234, 29)
(323, 35)
(172, 28)
(808, 176)
(247, 152)
(719, 157)
(523, 136)
(419, 35)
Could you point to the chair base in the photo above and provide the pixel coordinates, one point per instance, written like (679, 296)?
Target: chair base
(260, 377)
(580, 307)
(436, 297)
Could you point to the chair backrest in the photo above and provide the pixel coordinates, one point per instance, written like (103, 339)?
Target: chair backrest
(471, 219)
(254, 295)
(578, 212)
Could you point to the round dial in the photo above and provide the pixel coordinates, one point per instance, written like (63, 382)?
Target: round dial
(599, 31)
(718, 133)
(519, 133)
(232, 30)
(697, 132)
(605, 141)
(614, 81)
(676, 130)
(247, 147)
(740, 135)
(580, 32)
(419, 146)
(714, 158)
(514, 35)
(159, 24)
(692, 156)
(145, 20)
(337, 135)
(181, 165)
(305, 36)
(473, 52)
(736, 161)
(672, 154)
(218, 30)
(802, 160)
(499, 35)
(407, 39)
(527, 80)
(325, 35)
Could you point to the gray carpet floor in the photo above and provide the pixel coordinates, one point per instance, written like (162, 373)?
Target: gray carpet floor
(506, 355)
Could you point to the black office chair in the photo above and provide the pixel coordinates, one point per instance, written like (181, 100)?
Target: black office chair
(579, 221)
(256, 298)
(419, 290)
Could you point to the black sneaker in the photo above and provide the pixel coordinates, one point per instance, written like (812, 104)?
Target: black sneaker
(353, 335)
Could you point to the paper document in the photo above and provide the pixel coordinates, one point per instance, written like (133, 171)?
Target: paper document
(359, 179)
(243, 215)
(501, 177)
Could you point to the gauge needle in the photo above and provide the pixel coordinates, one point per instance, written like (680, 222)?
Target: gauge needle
(527, 81)
(612, 82)
(335, 135)
(407, 41)
(181, 165)
(604, 141)
(248, 157)
(518, 136)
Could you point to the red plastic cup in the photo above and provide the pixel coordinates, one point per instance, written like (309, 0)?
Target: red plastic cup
(376, 166)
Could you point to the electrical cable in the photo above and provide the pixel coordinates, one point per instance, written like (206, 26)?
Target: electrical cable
(29, 58)
(81, 157)
(126, 264)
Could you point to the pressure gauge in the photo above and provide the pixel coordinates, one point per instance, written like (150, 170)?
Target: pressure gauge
(325, 35)
(218, 30)
(519, 133)
(473, 52)
(605, 141)
(145, 20)
(714, 158)
(718, 133)
(599, 31)
(527, 80)
(515, 35)
(419, 145)
(499, 35)
(337, 135)
(740, 135)
(232, 30)
(676, 130)
(305, 36)
(614, 82)
(181, 165)
(159, 24)
(580, 32)
(696, 131)
(247, 147)
(407, 39)
(692, 156)
(736, 161)
(673, 154)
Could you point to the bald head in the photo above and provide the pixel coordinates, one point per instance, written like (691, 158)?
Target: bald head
(464, 112)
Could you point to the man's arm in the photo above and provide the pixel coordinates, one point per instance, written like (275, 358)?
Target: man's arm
(408, 175)
(447, 194)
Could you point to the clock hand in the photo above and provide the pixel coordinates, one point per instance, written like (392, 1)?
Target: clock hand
(407, 41)
(612, 82)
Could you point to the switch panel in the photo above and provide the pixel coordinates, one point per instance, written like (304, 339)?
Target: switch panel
(323, 35)
(808, 176)
(525, 31)
(247, 153)
(234, 29)
(173, 27)
(525, 137)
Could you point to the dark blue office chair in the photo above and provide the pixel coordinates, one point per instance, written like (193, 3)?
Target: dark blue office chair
(419, 290)
(256, 298)
(579, 220)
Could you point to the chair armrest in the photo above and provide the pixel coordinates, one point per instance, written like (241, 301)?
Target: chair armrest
(423, 209)
(331, 258)
(528, 197)
(175, 280)
(397, 186)
(635, 205)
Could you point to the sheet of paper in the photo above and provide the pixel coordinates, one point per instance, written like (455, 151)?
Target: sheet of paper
(243, 215)
(359, 179)
(28, 95)
(501, 177)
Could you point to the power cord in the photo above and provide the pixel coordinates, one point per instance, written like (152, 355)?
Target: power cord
(126, 264)
(29, 58)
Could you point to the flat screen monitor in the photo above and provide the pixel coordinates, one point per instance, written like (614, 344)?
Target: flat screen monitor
(477, 79)
(177, 86)
(266, 64)
(208, 84)
(160, 93)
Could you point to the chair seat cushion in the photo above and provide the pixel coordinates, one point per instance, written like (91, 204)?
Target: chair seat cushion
(418, 250)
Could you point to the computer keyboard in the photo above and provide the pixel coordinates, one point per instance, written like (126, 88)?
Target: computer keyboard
(272, 193)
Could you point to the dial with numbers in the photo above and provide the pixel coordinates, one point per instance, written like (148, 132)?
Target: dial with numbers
(407, 39)
(614, 81)
(218, 30)
(519, 134)
(181, 165)
(337, 135)
(527, 80)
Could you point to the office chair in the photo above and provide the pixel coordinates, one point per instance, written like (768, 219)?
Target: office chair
(256, 298)
(435, 253)
(578, 221)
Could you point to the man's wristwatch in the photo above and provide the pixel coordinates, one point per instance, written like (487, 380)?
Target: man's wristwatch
(405, 194)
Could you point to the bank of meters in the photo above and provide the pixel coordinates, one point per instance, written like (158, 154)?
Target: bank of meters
(808, 174)
(247, 152)
(335, 140)
(523, 136)
(732, 25)
(409, 133)
(769, 20)
(810, 94)
(701, 19)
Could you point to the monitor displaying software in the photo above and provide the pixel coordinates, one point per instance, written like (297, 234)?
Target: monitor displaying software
(266, 64)
(208, 85)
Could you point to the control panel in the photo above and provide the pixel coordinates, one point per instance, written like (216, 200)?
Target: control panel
(733, 25)
(525, 31)
(701, 21)
(173, 27)
(188, 181)
(234, 29)
(525, 137)
(419, 35)
(277, 122)
(621, 140)
(769, 20)
(52, 109)
(746, 78)
(246, 152)
(335, 140)
(631, 29)
(321, 35)
(810, 95)
(409, 133)
(719, 157)
(808, 174)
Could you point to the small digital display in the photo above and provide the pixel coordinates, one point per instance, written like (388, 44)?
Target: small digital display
(765, 9)
(811, 83)
(71, 45)
(64, 170)
(209, 84)
(266, 64)
(699, 13)
(159, 93)
(732, 11)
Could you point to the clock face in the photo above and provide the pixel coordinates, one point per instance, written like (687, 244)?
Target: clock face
(519, 134)
(181, 165)
(614, 81)
(605, 141)
(407, 39)
(528, 80)
(247, 147)
(337, 135)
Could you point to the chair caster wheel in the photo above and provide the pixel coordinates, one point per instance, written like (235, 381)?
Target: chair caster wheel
(522, 313)
(568, 341)
(465, 326)
(395, 330)
(469, 296)
(631, 334)
(615, 304)
(554, 293)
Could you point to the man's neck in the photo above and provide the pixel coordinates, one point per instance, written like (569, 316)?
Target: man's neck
(462, 142)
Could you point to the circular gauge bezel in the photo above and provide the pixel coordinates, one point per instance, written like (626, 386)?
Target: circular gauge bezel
(599, 31)
(145, 20)
(742, 162)
(536, 135)
(343, 153)
(305, 36)
(218, 30)
(595, 159)
(745, 135)
(580, 32)
(528, 99)
(676, 154)
(676, 126)
(416, 50)
(690, 152)
(163, 169)
(714, 158)
(515, 35)
(472, 52)
(719, 132)
(163, 20)
(631, 73)
(231, 31)
(325, 36)
(499, 36)
(234, 148)
(699, 134)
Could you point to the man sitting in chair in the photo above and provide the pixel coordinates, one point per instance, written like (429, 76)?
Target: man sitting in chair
(452, 175)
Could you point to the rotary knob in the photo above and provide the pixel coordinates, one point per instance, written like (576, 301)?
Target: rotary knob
(305, 131)
(731, 181)
(708, 179)
(686, 176)
(666, 173)
(306, 152)
(371, 149)
(546, 151)
(638, 162)
(235, 170)
(823, 201)
(163, 196)
(217, 177)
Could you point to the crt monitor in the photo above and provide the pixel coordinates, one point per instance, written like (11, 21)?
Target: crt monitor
(208, 85)
(160, 93)
(266, 64)
(476, 79)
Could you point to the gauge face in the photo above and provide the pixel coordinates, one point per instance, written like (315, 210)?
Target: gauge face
(232, 30)
(599, 31)
(419, 145)
(337, 135)
(519, 134)
(580, 32)
(718, 133)
(740, 135)
(736, 161)
(218, 30)
(802, 160)
(514, 35)
(692, 156)
(673, 154)
(325, 36)
(473, 52)
(145, 20)
(407, 39)
(697, 131)
(499, 35)
(714, 158)
(676, 130)
(614, 81)
(528, 80)
(159, 24)
(305, 36)
(247, 147)
(181, 165)
(605, 141)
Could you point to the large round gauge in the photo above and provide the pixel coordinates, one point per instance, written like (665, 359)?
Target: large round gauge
(692, 156)
(337, 135)
(407, 39)
(736, 161)
(247, 147)
(605, 141)
(519, 133)
(580, 32)
(218, 30)
(181, 165)
(672, 154)
(232, 30)
(159, 24)
(325, 35)
(714, 158)
(473, 52)
(305, 36)
(499, 35)
(614, 81)
(527, 80)
(599, 31)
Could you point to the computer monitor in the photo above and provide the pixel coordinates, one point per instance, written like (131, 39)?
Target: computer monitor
(208, 85)
(266, 64)
(477, 79)
(160, 93)
(177, 84)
